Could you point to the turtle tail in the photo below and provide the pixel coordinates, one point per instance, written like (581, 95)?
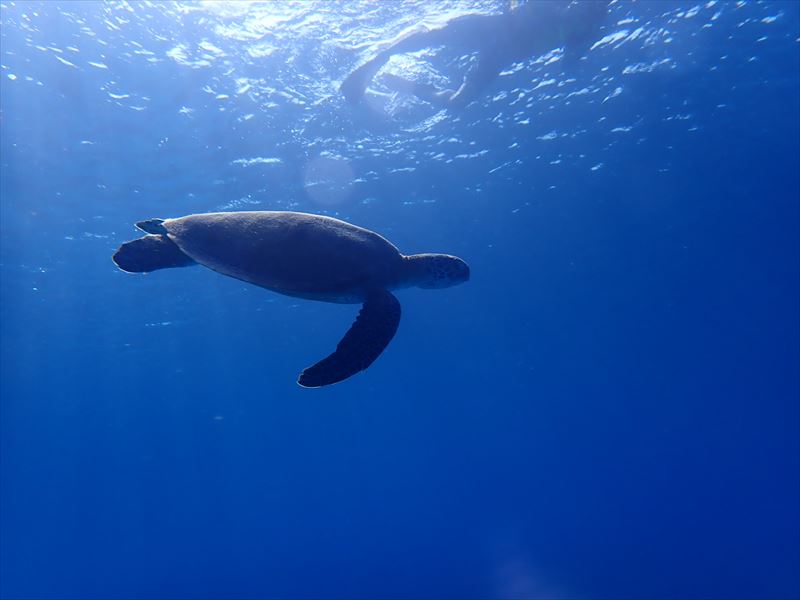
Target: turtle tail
(150, 253)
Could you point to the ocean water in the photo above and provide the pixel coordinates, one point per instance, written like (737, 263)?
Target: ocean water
(607, 409)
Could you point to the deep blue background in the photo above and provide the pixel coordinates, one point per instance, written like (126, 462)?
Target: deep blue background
(608, 409)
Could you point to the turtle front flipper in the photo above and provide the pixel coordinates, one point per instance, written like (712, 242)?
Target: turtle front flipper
(371, 332)
(150, 253)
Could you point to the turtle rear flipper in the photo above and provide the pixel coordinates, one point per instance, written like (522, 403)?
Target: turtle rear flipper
(154, 226)
(150, 253)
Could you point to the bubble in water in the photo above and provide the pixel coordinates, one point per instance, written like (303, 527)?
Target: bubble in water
(328, 180)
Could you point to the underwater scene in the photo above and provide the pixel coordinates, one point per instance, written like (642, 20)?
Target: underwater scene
(383, 299)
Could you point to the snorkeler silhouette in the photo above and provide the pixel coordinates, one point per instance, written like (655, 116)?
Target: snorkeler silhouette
(522, 31)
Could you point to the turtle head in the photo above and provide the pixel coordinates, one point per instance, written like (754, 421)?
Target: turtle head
(433, 271)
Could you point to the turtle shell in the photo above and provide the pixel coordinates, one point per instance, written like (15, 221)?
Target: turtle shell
(292, 253)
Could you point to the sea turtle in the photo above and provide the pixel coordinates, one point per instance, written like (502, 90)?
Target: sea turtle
(303, 255)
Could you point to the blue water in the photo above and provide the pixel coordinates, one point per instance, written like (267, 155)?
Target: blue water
(607, 409)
